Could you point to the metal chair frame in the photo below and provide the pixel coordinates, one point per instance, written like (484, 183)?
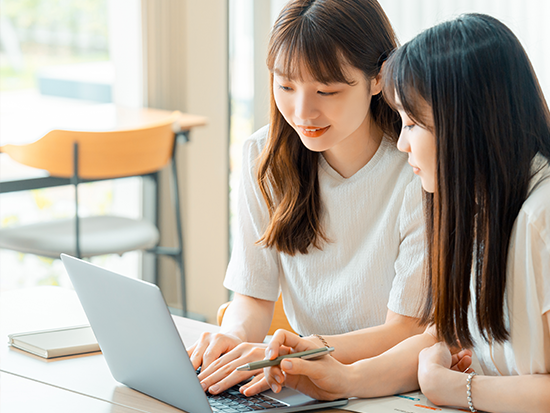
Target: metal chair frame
(176, 253)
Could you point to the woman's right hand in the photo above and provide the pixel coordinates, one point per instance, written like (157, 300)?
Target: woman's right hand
(219, 355)
(324, 378)
(210, 347)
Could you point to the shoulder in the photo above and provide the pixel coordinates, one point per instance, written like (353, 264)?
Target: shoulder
(253, 146)
(535, 210)
(395, 163)
(407, 187)
(395, 160)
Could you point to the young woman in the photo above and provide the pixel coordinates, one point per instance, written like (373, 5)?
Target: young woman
(330, 213)
(476, 128)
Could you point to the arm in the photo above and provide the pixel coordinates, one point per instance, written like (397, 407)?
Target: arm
(354, 346)
(525, 393)
(370, 342)
(392, 372)
(248, 318)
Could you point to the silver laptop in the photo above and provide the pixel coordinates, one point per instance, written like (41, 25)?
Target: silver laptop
(144, 351)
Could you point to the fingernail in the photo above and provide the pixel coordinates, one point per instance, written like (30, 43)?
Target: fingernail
(214, 388)
(269, 354)
(279, 379)
(286, 364)
(275, 387)
(203, 385)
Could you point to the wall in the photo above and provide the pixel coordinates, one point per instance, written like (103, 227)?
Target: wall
(185, 66)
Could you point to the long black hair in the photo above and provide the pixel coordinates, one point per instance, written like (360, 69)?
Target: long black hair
(490, 120)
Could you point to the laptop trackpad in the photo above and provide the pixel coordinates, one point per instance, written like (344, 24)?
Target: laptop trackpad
(290, 396)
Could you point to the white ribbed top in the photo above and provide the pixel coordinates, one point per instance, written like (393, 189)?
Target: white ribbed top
(373, 262)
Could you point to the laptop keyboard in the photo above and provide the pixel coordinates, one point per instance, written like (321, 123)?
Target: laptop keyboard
(232, 401)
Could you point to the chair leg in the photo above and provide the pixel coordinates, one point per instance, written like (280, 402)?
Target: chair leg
(177, 212)
(183, 288)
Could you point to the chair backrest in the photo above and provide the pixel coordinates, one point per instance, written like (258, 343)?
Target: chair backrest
(279, 317)
(112, 154)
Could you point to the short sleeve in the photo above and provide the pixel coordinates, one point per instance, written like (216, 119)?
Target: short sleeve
(253, 270)
(407, 293)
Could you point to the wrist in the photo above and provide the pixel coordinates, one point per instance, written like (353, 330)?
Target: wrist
(238, 335)
(358, 377)
(316, 338)
(440, 384)
(433, 379)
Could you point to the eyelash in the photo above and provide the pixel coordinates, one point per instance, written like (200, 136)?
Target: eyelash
(288, 89)
(409, 127)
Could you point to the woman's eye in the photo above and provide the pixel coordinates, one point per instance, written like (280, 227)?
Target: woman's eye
(285, 88)
(326, 93)
(408, 127)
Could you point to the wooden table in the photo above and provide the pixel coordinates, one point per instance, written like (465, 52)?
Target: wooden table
(108, 117)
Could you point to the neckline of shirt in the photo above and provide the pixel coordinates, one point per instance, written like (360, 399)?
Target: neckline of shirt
(369, 166)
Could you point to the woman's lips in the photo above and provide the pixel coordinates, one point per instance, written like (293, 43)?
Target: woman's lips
(416, 169)
(313, 131)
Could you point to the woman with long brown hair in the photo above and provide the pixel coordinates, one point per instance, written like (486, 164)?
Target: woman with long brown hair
(329, 212)
(476, 128)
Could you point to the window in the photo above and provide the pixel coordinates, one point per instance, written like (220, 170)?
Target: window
(55, 60)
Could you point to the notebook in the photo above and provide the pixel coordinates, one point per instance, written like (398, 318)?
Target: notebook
(56, 342)
(144, 350)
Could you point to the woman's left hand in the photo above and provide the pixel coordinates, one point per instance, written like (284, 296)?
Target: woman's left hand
(324, 378)
(440, 354)
(434, 363)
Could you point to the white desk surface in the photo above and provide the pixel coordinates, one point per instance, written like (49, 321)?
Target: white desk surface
(52, 307)
(85, 380)
(21, 395)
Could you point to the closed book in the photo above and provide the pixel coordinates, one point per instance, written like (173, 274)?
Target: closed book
(57, 342)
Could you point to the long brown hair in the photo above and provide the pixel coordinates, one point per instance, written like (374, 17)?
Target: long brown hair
(490, 120)
(320, 36)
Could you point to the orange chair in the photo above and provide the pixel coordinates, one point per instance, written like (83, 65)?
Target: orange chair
(279, 317)
(84, 156)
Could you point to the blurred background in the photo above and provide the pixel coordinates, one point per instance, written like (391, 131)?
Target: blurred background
(201, 57)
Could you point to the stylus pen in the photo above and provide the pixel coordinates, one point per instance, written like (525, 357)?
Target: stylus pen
(309, 354)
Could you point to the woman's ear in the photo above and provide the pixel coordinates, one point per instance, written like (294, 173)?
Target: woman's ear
(376, 84)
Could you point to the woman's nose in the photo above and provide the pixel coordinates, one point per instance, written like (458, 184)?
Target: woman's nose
(403, 143)
(305, 108)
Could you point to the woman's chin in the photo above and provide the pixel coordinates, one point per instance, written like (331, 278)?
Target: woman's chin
(427, 186)
(315, 144)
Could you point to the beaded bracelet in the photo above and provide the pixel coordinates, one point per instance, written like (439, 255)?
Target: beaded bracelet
(469, 391)
(321, 339)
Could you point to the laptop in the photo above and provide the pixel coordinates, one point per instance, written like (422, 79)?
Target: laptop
(144, 350)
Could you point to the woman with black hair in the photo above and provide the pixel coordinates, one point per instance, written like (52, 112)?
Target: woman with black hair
(476, 128)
